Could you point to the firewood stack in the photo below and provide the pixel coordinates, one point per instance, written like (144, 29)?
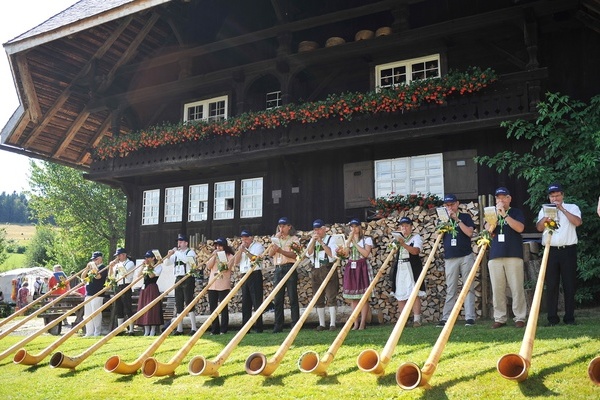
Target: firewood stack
(382, 302)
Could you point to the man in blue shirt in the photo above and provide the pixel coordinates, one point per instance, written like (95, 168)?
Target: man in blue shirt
(459, 260)
(506, 261)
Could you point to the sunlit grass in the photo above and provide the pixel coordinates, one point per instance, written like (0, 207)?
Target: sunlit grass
(466, 370)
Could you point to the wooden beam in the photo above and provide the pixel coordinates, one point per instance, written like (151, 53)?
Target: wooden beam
(130, 52)
(19, 125)
(63, 97)
(73, 129)
(85, 157)
(33, 105)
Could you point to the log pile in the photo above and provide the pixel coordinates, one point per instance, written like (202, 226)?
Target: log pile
(382, 302)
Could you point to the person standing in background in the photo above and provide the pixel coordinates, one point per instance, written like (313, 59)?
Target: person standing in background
(95, 273)
(121, 269)
(222, 286)
(562, 259)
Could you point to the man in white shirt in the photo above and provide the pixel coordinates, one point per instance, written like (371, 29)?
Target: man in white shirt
(252, 290)
(562, 259)
(321, 253)
(121, 268)
(184, 260)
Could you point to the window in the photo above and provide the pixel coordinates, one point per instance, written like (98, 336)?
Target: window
(150, 207)
(173, 204)
(402, 72)
(273, 100)
(198, 207)
(224, 200)
(410, 175)
(214, 109)
(251, 198)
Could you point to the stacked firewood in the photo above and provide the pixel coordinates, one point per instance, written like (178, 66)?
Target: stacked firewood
(382, 302)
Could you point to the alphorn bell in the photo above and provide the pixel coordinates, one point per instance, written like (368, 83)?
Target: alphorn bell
(516, 366)
(309, 361)
(594, 370)
(33, 303)
(51, 324)
(256, 363)
(199, 365)
(61, 360)
(369, 360)
(408, 375)
(116, 365)
(23, 357)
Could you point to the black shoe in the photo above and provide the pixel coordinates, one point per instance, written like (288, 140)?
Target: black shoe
(192, 332)
(176, 333)
(440, 324)
(470, 322)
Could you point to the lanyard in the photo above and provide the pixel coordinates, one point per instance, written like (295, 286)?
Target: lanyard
(502, 221)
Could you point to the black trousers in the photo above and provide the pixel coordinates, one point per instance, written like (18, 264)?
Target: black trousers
(123, 306)
(214, 298)
(184, 293)
(252, 298)
(562, 266)
(291, 285)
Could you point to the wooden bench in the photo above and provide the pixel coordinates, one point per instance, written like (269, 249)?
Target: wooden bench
(57, 310)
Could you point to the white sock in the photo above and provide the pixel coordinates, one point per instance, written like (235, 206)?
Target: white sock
(120, 321)
(146, 330)
(193, 320)
(153, 330)
(180, 326)
(332, 315)
(417, 318)
(130, 328)
(321, 314)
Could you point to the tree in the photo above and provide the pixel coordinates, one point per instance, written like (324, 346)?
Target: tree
(565, 148)
(3, 243)
(38, 251)
(87, 214)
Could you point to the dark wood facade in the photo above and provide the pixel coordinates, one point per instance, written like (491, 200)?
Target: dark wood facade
(141, 66)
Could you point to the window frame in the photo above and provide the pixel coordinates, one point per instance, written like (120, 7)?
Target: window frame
(206, 103)
(204, 190)
(412, 175)
(224, 210)
(173, 204)
(150, 216)
(408, 64)
(256, 199)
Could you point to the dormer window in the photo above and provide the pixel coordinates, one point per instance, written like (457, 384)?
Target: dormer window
(214, 109)
(406, 71)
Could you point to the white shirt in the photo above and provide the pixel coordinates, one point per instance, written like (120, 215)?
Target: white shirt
(121, 271)
(245, 264)
(322, 256)
(414, 240)
(184, 261)
(566, 234)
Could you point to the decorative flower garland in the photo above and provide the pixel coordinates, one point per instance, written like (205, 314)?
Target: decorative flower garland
(343, 106)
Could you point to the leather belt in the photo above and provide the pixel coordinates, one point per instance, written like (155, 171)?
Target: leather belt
(564, 247)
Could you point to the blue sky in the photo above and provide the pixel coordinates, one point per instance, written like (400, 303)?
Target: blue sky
(21, 16)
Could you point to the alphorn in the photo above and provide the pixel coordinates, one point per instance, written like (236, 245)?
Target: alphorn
(371, 361)
(199, 365)
(61, 360)
(594, 370)
(408, 375)
(516, 366)
(23, 357)
(257, 363)
(309, 361)
(51, 324)
(33, 303)
(116, 365)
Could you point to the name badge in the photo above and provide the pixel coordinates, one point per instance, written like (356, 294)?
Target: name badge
(453, 242)
(353, 265)
(501, 237)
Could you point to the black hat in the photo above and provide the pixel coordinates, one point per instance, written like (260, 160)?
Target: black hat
(245, 233)
(283, 221)
(405, 220)
(318, 223)
(555, 187)
(220, 241)
(183, 237)
(120, 250)
(95, 255)
(354, 221)
(450, 198)
(502, 191)
(149, 254)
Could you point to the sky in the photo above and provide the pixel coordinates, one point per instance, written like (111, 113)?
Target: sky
(16, 19)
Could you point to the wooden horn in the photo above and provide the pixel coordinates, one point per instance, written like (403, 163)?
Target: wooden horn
(594, 370)
(369, 360)
(33, 303)
(309, 361)
(115, 364)
(408, 375)
(256, 363)
(50, 325)
(516, 366)
(23, 357)
(61, 360)
(199, 365)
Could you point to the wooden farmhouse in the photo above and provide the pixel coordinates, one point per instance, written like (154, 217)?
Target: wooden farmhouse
(101, 72)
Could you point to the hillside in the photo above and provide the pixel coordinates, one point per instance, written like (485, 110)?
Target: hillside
(21, 233)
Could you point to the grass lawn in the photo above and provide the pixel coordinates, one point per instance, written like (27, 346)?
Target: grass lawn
(21, 233)
(13, 261)
(466, 370)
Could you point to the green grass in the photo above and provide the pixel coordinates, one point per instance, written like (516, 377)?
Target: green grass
(13, 261)
(466, 370)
